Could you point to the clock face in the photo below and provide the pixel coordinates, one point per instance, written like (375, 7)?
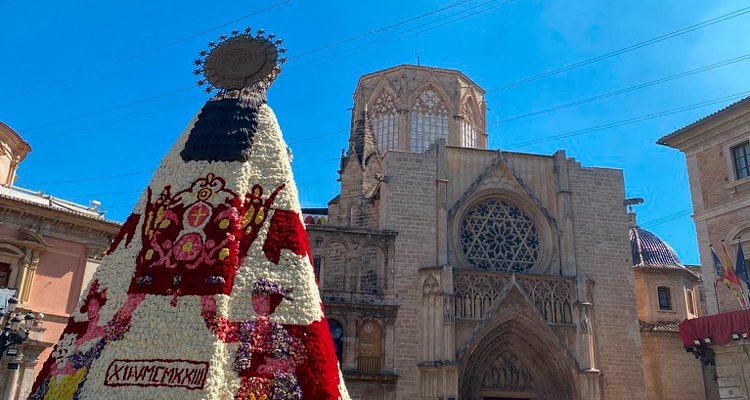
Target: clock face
(368, 327)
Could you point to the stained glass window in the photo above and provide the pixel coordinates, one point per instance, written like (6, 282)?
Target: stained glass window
(385, 122)
(429, 121)
(499, 236)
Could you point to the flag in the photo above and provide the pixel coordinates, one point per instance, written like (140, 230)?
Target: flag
(740, 268)
(718, 267)
(730, 278)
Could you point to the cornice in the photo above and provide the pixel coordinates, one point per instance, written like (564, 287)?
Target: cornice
(20, 208)
(709, 127)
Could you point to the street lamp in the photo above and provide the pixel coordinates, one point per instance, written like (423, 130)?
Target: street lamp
(14, 333)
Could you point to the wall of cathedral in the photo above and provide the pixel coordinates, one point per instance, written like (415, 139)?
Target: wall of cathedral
(603, 255)
(570, 303)
(408, 207)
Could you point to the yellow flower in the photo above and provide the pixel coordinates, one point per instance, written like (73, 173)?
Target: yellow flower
(64, 387)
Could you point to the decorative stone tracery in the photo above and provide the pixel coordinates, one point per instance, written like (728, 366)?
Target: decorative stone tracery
(499, 236)
(475, 292)
(385, 122)
(429, 121)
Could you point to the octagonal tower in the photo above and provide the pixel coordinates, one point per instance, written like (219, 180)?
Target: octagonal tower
(409, 107)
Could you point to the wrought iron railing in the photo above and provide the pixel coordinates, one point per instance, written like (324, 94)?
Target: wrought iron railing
(368, 365)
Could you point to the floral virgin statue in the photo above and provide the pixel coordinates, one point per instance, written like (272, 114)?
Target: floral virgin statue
(207, 291)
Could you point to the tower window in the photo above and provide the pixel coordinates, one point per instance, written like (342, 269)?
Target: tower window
(741, 156)
(468, 127)
(429, 121)
(385, 123)
(665, 299)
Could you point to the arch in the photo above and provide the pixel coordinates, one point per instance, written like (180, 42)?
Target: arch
(545, 232)
(337, 334)
(429, 110)
(10, 253)
(435, 88)
(540, 369)
(372, 269)
(334, 275)
(740, 231)
(382, 111)
(432, 319)
(369, 346)
(471, 126)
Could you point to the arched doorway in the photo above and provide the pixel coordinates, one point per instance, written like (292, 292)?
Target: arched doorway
(516, 357)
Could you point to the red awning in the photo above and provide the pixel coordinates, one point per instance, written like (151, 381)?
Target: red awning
(719, 328)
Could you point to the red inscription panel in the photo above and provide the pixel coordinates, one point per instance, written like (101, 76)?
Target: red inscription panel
(170, 373)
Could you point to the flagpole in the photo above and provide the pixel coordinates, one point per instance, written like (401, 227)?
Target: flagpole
(716, 294)
(734, 280)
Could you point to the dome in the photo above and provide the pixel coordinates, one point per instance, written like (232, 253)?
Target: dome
(649, 250)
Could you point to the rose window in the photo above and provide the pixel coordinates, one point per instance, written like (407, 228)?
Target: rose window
(498, 236)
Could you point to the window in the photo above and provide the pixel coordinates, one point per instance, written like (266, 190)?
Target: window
(4, 274)
(429, 121)
(690, 303)
(665, 300)
(317, 262)
(385, 123)
(468, 127)
(741, 157)
(337, 334)
(499, 236)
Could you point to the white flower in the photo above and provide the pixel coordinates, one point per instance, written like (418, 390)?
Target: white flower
(65, 348)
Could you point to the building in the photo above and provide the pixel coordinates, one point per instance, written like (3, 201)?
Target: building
(667, 293)
(49, 249)
(450, 271)
(717, 152)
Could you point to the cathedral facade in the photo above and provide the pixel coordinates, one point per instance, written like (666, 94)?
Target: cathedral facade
(451, 271)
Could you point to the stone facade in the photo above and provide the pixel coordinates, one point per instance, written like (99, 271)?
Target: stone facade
(49, 249)
(720, 190)
(487, 274)
(721, 201)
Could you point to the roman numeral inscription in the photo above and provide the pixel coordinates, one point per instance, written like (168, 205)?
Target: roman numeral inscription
(170, 373)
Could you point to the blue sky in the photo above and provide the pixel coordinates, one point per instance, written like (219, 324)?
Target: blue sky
(76, 42)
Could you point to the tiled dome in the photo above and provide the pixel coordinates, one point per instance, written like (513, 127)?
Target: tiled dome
(650, 251)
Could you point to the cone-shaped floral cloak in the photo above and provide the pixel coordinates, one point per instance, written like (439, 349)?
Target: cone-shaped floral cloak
(208, 290)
